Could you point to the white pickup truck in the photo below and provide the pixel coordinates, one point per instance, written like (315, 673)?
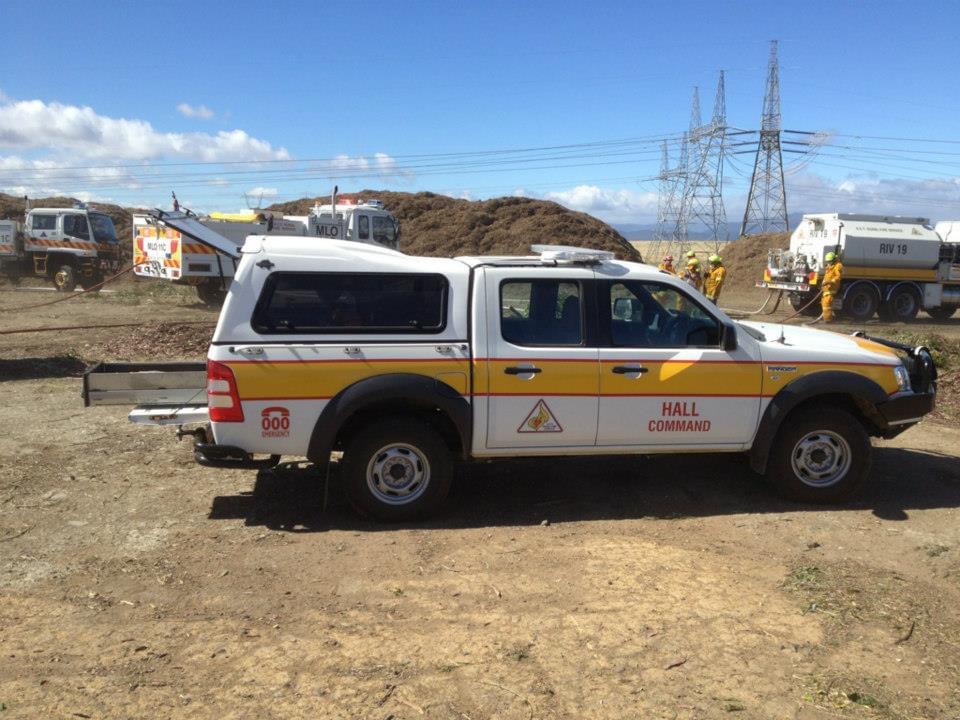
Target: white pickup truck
(408, 364)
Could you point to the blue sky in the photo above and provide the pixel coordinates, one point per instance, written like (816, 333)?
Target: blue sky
(396, 95)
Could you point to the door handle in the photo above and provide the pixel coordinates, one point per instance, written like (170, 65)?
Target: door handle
(522, 370)
(625, 369)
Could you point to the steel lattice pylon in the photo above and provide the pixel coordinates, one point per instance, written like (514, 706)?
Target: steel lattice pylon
(766, 209)
(703, 196)
(669, 199)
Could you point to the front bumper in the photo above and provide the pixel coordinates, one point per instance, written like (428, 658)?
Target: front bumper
(905, 411)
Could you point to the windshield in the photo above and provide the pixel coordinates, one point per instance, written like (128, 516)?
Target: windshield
(103, 230)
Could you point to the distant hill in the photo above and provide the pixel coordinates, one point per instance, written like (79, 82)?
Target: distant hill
(645, 231)
(437, 225)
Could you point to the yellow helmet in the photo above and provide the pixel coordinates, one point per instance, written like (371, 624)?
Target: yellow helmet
(693, 262)
(830, 256)
(691, 254)
(715, 259)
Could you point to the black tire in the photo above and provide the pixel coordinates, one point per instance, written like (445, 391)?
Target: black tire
(411, 447)
(65, 279)
(829, 434)
(902, 305)
(860, 302)
(944, 312)
(211, 294)
(802, 302)
(87, 282)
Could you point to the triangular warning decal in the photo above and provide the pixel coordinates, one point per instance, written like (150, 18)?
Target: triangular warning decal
(540, 419)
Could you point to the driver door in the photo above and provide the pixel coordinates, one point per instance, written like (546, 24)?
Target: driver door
(665, 382)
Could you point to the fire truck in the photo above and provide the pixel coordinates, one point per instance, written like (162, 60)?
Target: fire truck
(68, 246)
(161, 251)
(893, 266)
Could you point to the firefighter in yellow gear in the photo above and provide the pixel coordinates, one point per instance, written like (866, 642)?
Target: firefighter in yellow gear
(667, 265)
(713, 282)
(692, 274)
(830, 285)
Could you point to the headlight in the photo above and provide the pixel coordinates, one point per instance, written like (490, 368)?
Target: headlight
(903, 377)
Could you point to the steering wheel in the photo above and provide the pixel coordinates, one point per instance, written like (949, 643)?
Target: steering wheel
(513, 312)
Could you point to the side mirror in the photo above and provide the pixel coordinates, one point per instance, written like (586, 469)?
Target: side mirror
(728, 337)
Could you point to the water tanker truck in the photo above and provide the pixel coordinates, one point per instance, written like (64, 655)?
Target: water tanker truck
(892, 266)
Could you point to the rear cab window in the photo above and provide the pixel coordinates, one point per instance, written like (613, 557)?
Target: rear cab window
(541, 312)
(352, 303)
(42, 221)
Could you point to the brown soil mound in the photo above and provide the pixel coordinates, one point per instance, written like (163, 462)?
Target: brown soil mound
(437, 225)
(746, 258)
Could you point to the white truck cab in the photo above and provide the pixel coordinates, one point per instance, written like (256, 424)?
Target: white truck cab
(406, 364)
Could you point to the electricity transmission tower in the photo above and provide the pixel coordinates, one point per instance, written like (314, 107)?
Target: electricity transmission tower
(669, 198)
(766, 210)
(703, 195)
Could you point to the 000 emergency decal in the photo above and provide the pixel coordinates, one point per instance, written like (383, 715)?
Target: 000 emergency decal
(275, 422)
(540, 419)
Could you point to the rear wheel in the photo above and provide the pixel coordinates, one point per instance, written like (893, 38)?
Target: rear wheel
(89, 281)
(211, 294)
(902, 305)
(397, 469)
(860, 302)
(804, 303)
(65, 278)
(820, 455)
(944, 312)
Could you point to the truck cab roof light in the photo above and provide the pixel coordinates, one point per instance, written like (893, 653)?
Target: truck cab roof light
(567, 255)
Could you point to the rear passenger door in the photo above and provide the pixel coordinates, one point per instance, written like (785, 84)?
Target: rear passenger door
(540, 370)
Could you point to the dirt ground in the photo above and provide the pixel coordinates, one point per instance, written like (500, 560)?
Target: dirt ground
(137, 584)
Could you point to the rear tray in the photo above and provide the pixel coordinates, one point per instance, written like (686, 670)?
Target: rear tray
(162, 383)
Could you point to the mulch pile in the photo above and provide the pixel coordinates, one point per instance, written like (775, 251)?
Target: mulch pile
(440, 226)
(745, 258)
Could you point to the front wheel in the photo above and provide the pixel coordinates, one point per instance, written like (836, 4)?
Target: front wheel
(65, 278)
(820, 455)
(397, 469)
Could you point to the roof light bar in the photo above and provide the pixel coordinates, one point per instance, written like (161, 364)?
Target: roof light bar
(567, 255)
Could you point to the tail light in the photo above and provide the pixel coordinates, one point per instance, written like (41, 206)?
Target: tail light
(812, 277)
(766, 275)
(223, 400)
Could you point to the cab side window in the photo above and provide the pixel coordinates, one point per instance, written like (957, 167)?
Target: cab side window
(75, 226)
(363, 227)
(652, 315)
(541, 312)
(43, 222)
(383, 230)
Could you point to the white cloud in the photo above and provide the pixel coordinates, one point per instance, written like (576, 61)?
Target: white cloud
(520, 192)
(381, 165)
(934, 198)
(34, 124)
(195, 111)
(262, 191)
(612, 206)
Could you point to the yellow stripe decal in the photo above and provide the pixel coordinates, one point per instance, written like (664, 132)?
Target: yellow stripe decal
(324, 379)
